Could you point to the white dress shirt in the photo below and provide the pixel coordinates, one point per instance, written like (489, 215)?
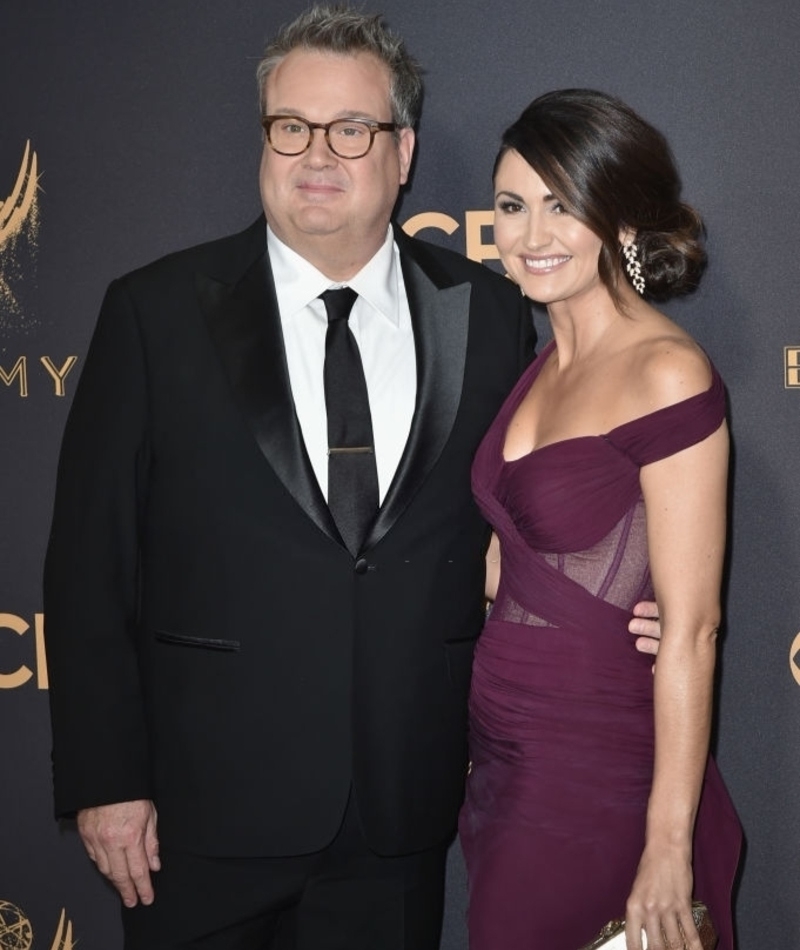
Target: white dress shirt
(381, 324)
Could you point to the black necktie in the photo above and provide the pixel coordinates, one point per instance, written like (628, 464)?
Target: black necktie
(352, 473)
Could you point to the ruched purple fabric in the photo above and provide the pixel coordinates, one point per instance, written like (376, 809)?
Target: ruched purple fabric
(561, 708)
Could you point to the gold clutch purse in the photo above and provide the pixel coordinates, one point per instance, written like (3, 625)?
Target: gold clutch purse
(612, 936)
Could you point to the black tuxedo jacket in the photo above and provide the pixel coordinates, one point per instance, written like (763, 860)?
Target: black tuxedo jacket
(211, 643)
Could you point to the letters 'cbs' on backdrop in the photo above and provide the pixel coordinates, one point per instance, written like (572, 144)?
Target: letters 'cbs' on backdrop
(127, 136)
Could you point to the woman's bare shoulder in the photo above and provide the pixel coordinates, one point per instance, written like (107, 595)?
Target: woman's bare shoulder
(669, 367)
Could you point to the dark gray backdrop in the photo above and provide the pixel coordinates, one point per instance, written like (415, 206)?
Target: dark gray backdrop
(144, 121)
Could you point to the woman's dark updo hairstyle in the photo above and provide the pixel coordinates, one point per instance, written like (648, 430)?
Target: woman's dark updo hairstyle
(612, 170)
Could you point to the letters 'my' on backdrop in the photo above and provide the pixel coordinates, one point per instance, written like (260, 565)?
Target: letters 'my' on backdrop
(126, 137)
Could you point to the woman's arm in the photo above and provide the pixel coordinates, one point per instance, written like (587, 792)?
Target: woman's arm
(685, 502)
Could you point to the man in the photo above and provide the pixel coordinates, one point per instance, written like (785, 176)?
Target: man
(233, 652)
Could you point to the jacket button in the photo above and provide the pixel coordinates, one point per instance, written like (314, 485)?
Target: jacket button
(361, 566)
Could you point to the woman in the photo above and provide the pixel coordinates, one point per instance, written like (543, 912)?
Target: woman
(591, 795)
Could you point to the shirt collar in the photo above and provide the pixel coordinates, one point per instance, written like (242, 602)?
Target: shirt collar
(298, 282)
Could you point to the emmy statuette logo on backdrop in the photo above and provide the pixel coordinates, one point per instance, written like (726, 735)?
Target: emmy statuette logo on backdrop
(19, 225)
(16, 931)
(19, 245)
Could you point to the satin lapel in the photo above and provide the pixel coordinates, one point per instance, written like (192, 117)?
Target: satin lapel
(245, 328)
(440, 318)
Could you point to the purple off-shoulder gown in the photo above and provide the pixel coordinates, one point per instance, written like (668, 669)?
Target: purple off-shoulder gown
(561, 708)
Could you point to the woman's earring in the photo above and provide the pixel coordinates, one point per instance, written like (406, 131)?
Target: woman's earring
(633, 266)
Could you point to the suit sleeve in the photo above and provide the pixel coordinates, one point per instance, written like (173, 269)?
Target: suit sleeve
(90, 580)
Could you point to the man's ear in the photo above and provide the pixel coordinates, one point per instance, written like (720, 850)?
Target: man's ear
(405, 149)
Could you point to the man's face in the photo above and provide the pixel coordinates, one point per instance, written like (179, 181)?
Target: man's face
(333, 211)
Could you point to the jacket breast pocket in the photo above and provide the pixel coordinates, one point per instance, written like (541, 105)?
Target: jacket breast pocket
(202, 643)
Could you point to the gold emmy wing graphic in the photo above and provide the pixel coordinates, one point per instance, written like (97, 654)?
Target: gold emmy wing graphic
(16, 932)
(16, 211)
(63, 938)
(17, 208)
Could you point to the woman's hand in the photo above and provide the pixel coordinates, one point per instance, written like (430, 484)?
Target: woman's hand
(660, 902)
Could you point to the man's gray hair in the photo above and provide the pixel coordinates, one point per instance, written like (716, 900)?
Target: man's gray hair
(343, 30)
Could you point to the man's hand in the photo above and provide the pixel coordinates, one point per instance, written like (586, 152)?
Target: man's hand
(645, 627)
(121, 840)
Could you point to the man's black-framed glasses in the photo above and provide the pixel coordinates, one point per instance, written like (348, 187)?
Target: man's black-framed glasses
(347, 138)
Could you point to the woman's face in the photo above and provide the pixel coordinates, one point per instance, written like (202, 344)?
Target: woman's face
(549, 253)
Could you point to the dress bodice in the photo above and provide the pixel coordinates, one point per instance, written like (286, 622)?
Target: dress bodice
(576, 505)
